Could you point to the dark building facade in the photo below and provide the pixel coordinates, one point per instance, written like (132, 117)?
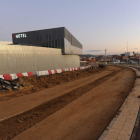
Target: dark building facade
(52, 38)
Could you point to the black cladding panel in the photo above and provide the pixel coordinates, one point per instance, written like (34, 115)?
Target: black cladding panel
(38, 37)
(53, 38)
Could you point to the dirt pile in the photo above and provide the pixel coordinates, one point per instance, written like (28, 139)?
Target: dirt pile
(58, 78)
(35, 83)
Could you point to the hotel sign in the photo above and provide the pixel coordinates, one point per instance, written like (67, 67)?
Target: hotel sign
(20, 35)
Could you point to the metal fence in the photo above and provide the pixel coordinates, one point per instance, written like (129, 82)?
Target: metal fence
(119, 64)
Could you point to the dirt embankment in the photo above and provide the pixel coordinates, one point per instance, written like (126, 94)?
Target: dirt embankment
(34, 84)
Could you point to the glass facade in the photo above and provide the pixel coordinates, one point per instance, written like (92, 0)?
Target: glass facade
(70, 49)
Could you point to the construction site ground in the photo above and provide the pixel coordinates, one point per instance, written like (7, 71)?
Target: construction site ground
(73, 105)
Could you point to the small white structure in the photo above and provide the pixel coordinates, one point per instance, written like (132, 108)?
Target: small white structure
(128, 54)
(117, 61)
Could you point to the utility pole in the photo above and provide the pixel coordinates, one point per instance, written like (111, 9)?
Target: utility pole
(105, 56)
(127, 46)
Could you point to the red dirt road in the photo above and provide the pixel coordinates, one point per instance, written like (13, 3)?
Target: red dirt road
(21, 104)
(86, 117)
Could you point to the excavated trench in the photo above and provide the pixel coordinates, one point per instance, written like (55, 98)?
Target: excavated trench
(13, 126)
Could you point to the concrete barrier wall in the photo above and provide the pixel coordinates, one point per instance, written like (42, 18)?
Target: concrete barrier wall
(20, 58)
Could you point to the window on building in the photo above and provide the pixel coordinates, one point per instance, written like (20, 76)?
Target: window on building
(50, 37)
(59, 43)
(53, 44)
(40, 38)
(47, 44)
(56, 44)
(47, 37)
(37, 39)
(50, 45)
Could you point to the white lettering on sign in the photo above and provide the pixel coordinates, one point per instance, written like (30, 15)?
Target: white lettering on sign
(21, 35)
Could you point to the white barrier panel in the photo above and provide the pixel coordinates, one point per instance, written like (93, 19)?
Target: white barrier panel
(1, 76)
(53, 72)
(39, 73)
(25, 74)
(59, 71)
(46, 72)
(43, 73)
(14, 76)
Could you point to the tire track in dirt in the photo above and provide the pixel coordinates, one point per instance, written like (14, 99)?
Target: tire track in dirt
(86, 117)
(17, 124)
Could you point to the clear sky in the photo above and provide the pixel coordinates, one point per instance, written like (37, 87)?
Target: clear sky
(97, 24)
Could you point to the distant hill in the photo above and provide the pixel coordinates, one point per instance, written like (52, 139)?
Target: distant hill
(87, 55)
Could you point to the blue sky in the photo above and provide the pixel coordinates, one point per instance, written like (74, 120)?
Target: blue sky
(97, 24)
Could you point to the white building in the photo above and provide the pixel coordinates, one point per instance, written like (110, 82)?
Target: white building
(128, 54)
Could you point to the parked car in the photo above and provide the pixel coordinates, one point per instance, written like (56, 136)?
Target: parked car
(122, 62)
(133, 62)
